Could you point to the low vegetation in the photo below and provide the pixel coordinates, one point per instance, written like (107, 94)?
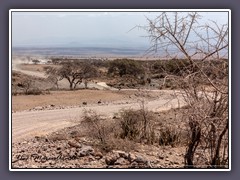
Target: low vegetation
(200, 74)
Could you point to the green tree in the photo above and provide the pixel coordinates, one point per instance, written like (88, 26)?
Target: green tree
(123, 67)
(74, 72)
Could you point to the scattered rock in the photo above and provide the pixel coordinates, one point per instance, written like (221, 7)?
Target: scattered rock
(74, 144)
(122, 154)
(131, 157)
(86, 150)
(111, 159)
(38, 108)
(140, 159)
(72, 153)
(98, 155)
(134, 165)
(121, 161)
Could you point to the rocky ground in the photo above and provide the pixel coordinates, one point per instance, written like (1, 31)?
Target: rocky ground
(61, 150)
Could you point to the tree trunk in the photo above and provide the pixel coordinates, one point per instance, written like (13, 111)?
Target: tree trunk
(85, 83)
(195, 139)
(71, 85)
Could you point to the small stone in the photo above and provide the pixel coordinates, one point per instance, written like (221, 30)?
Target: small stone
(121, 161)
(111, 159)
(122, 154)
(72, 154)
(131, 157)
(161, 157)
(38, 108)
(85, 151)
(140, 159)
(98, 155)
(91, 158)
(74, 144)
(134, 165)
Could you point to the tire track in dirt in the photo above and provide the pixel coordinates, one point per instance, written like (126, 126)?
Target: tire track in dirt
(27, 124)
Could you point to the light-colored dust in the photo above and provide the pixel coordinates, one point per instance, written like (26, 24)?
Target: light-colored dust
(68, 98)
(24, 124)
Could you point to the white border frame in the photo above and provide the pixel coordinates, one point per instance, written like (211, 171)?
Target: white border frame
(112, 10)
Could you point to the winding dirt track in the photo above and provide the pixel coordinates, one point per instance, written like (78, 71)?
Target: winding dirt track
(27, 124)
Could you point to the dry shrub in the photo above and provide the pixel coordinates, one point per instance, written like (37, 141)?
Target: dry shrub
(103, 132)
(33, 91)
(208, 132)
(132, 127)
(96, 127)
(208, 116)
(116, 143)
(170, 135)
(137, 125)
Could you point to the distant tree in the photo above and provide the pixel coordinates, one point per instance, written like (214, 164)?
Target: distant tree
(74, 72)
(35, 61)
(27, 85)
(125, 67)
(56, 60)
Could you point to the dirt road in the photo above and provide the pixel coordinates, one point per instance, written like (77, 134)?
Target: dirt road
(28, 124)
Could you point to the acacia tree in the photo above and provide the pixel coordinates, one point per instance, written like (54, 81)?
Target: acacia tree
(123, 67)
(74, 72)
(183, 36)
(35, 61)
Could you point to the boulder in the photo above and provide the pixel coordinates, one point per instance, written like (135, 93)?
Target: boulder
(85, 151)
(74, 144)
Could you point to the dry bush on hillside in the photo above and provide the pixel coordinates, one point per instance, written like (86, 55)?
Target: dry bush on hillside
(96, 127)
(104, 133)
(204, 81)
(137, 126)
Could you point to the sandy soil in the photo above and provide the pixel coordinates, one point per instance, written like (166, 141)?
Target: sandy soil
(71, 98)
(28, 124)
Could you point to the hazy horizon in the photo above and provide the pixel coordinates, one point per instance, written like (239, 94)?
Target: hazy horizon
(87, 29)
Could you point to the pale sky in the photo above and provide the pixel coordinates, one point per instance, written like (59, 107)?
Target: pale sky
(88, 29)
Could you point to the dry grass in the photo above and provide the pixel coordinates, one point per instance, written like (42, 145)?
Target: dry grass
(67, 98)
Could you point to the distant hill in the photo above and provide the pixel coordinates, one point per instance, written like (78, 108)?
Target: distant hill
(77, 51)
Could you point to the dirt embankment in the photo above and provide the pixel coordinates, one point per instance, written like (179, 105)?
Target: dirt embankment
(42, 119)
(43, 114)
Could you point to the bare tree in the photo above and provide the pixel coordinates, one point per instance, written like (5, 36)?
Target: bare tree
(204, 81)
